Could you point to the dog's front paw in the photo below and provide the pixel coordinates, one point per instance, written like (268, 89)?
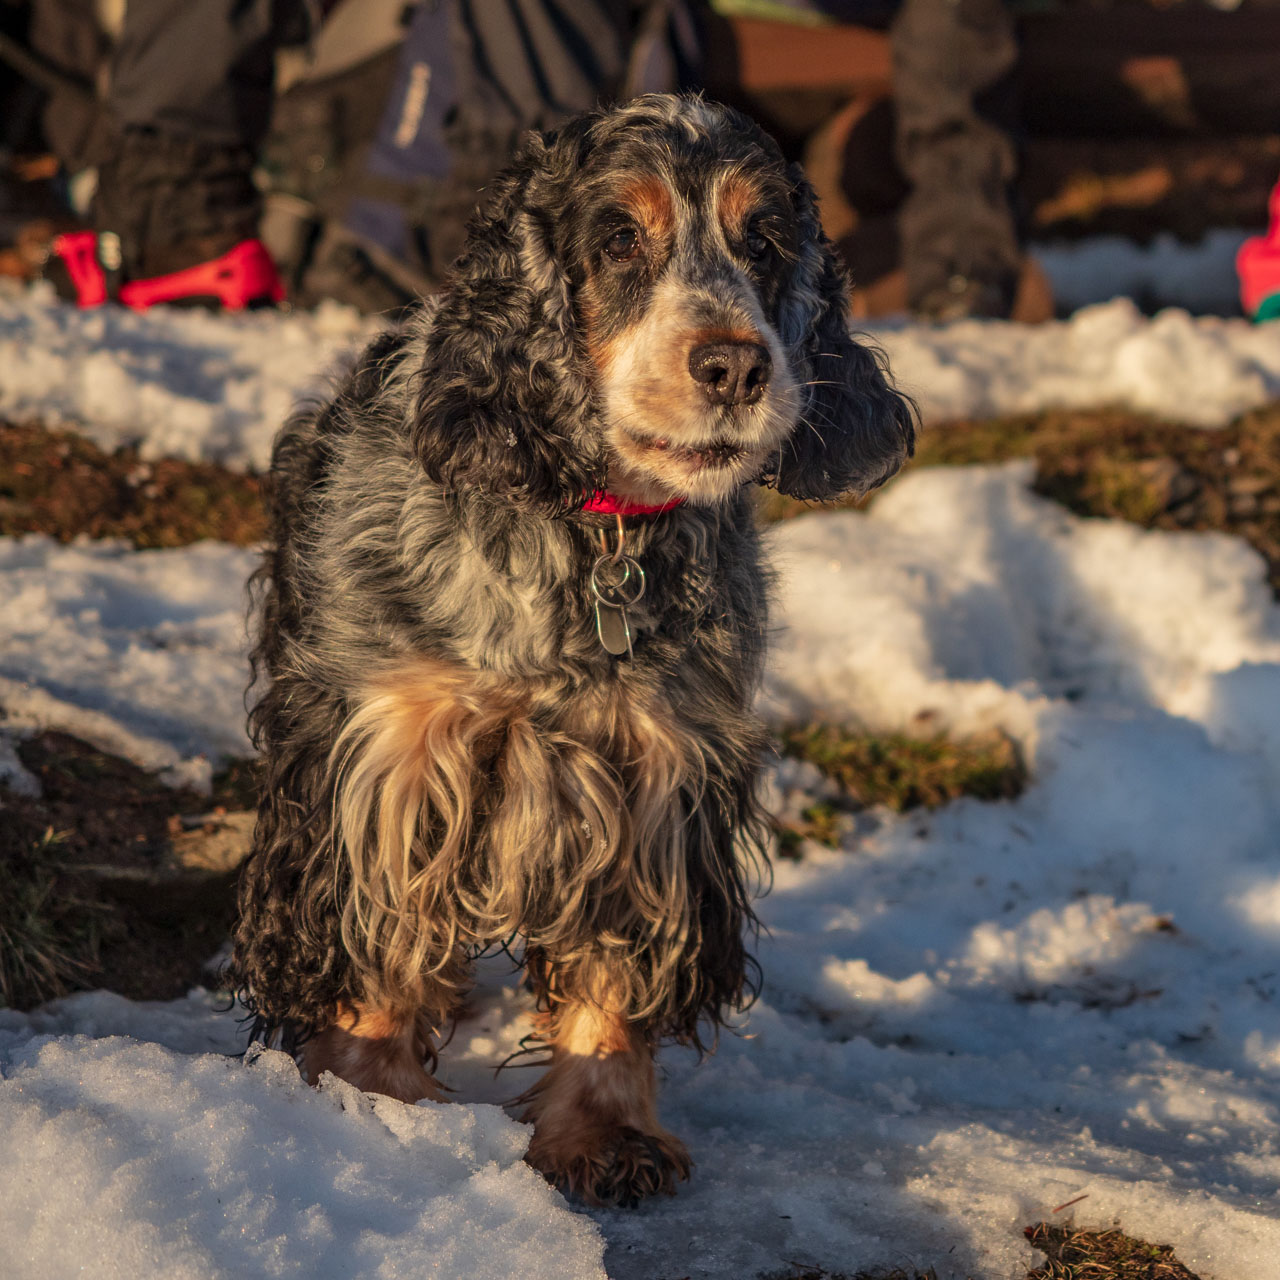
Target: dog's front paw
(612, 1166)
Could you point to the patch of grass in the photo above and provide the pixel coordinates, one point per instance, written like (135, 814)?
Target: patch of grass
(1101, 1255)
(1127, 466)
(50, 937)
(820, 822)
(98, 904)
(60, 484)
(903, 772)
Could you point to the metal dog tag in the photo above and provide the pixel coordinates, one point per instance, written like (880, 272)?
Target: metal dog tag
(614, 629)
(618, 585)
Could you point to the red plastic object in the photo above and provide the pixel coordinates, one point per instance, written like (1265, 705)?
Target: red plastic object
(609, 504)
(79, 251)
(242, 275)
(1258, 262)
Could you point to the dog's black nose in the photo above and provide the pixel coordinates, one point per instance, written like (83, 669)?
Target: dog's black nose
(731, 372)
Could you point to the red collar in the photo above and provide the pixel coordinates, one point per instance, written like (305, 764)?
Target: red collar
(609, 504)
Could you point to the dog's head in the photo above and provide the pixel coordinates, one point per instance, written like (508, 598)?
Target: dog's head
(647, 300)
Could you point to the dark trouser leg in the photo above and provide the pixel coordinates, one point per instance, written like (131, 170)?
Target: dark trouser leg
(959, 241)
(189, 99)
(473, 76)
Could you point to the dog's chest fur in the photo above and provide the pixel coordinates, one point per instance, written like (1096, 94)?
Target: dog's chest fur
(493, 586)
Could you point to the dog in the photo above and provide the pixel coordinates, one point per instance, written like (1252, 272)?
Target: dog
(513, 618)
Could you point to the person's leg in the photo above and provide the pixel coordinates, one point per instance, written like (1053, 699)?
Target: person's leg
(472, 76)
(959, 240)
(188, 98)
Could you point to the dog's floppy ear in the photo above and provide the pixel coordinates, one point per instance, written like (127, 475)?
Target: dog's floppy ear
(855, 429)
(504, 397)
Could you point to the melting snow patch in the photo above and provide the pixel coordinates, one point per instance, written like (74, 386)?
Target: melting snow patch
(189, 384)
(139, 652)
(126, 1160)
(969, 1016)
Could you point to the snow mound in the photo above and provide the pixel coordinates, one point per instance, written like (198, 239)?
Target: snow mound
(132, 1160)
(1199, 370)
(181, 383)
(971, 603)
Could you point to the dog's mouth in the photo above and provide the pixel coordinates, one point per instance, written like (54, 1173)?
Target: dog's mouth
(714, 456)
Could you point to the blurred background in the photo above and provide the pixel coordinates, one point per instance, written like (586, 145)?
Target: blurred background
(1022, 948)
(974, 157)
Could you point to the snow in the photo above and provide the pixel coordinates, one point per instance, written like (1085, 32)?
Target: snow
(139, 652)
(151, 1163)
(193, 385)
(181, 383)
(1199, 370)
(970, 1016)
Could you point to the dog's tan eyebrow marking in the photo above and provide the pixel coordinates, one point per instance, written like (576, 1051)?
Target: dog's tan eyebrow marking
(649, 199)
(737, 198)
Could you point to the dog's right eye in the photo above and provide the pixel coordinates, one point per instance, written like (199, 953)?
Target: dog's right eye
(623, 245)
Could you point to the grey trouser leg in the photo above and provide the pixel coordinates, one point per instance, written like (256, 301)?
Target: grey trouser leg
(188, 103)
(956, 224)
(196, 68)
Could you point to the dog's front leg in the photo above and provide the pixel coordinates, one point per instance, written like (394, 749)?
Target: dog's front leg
(596, 1130)
(379, 1050)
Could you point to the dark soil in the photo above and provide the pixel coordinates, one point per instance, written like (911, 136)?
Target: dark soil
(60, 484)
(87, 895)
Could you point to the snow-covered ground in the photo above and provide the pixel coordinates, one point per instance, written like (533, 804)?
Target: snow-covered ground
(142, 652)
(969, 1017)
(187, 384)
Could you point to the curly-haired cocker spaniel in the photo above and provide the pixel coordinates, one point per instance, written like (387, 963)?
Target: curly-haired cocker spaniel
(515, 615)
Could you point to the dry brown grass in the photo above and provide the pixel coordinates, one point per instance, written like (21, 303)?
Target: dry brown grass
(50, 934)
(1101, 1255)
(1113, 463)
(60, 484)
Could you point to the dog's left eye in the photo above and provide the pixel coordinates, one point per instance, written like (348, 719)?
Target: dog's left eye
(756, 245)
(623, 245)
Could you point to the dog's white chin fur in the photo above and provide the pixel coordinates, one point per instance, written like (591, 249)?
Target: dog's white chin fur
(640, 471)
(701, 486)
